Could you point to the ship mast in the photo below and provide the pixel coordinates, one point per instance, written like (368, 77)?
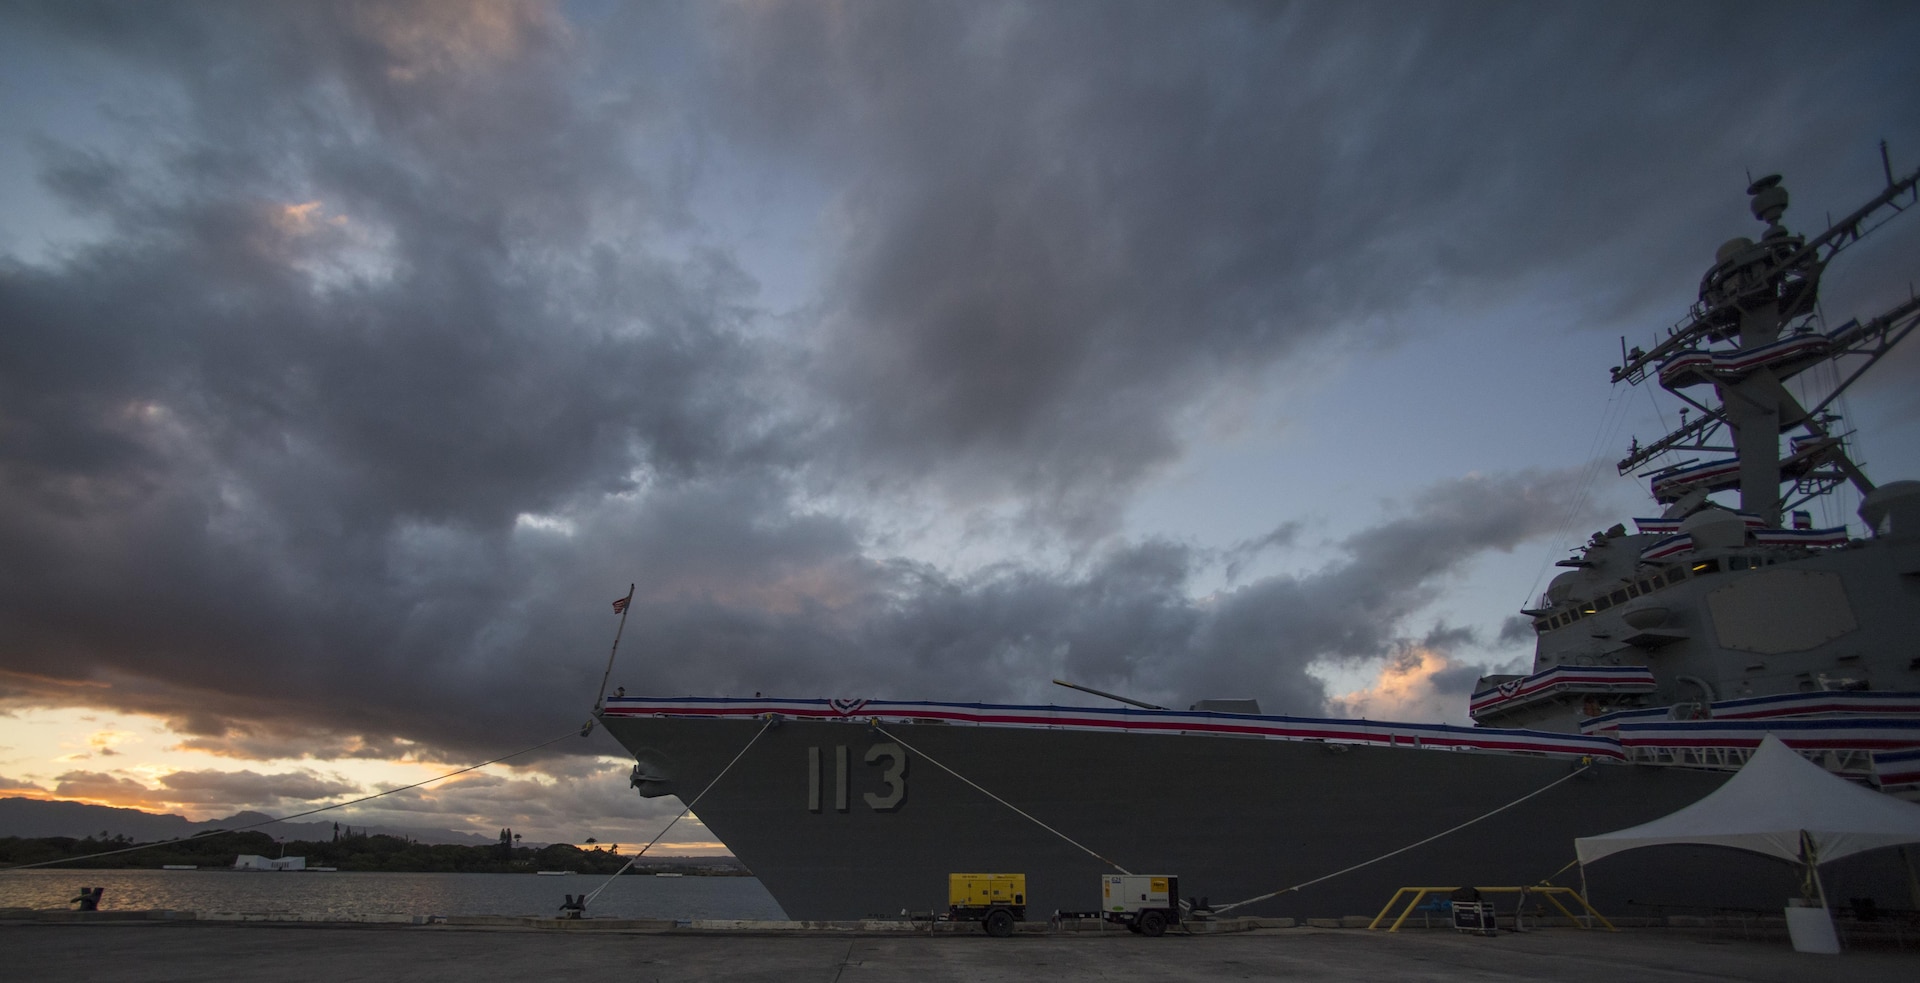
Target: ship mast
(1752, 297)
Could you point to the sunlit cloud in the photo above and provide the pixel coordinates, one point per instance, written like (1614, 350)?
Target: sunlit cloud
(236, 789)
(159, 769)
(1403, 689)
(103, 789)
(21, 788)
(545, 523)
(104, 741)
(305, 218)
(101, 743)
(257, 741)
(427, 40)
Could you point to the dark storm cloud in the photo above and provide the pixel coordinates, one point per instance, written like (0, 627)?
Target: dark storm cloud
(1068, 223)
(379, 291)
(237, 788)
(1240, 555)
(368, 283)
(1127, 621)
(102, 786)
(262, 740)
(1358, 607)
(1516, 630)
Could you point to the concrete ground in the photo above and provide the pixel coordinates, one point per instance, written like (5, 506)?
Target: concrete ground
(135, 952)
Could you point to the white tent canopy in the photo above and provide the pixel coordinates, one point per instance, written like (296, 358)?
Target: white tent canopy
(1767, 806)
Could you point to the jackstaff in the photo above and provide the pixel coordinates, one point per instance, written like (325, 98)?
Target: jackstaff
(619, 608)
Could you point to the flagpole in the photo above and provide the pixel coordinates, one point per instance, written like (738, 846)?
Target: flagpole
(602, 698)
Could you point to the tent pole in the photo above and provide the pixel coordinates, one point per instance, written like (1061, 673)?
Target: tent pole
(1585, 897)
(1913, 879)
(1824, 909)
(1810, 881)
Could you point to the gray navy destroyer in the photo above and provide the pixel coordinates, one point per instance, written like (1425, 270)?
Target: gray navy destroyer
(1663, 656)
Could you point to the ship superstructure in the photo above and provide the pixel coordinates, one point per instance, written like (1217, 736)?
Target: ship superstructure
(1663, 656)
(1720, 620)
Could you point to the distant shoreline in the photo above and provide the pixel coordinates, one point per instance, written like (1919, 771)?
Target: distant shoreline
(351, 853)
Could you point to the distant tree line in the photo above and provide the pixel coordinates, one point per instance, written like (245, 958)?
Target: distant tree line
(352, 851)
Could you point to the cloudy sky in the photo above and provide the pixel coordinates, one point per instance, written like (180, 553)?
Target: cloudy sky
(355, 356)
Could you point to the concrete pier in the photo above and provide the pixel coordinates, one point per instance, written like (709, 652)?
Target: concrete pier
(133, 947)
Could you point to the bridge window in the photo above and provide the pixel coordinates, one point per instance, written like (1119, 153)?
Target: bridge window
(1706, 566)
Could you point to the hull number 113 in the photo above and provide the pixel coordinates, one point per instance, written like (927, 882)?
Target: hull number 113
(890, 758)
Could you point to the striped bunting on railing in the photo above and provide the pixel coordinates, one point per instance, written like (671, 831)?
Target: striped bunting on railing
(1896, 768)
(1128, 720)
(1696, 366)
(1860, 733)
(1673, 545)
(1563, 679)
(1834, 702)
(1801, 537)
(1712, 474)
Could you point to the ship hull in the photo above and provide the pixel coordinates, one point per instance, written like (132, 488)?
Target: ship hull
(1234, 818)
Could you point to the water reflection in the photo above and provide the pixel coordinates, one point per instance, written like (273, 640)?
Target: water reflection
(360, 893)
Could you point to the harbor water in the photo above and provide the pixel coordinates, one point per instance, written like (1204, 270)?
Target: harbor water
(335, 894)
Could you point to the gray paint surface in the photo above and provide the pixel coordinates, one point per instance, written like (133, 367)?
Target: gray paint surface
(1233, 818)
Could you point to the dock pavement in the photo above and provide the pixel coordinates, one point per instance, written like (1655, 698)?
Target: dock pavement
(136, 947)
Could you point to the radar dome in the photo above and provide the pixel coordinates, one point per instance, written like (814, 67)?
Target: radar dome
(1715, 529)
(1892, 510)
(1731, 249)
(1769, 199)
(1562, 587)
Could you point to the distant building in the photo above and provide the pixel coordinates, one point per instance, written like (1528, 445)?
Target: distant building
(250, 861)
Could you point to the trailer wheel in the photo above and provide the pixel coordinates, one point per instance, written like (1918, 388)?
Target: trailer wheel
(1153, 924)
(998, 923)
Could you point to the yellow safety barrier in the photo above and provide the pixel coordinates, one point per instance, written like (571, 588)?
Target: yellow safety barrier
(1546, 891)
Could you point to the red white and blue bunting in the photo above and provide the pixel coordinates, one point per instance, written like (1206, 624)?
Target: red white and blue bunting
(1444, 737)
(1560, 680)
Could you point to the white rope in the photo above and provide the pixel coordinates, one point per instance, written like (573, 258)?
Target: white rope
(337, 805)
(587, 898)
(990, 795)
(1410, 846)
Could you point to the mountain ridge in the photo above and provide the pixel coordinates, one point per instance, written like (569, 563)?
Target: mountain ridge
(32, 818)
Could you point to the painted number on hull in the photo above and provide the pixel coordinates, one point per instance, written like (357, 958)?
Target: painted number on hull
(893, 772)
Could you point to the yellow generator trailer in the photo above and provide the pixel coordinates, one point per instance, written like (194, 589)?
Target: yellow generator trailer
(996, 901)
(1144, 903)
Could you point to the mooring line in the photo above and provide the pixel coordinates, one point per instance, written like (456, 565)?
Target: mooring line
(310, 812)
(587, 898)
(876, 726)
(1368, 863)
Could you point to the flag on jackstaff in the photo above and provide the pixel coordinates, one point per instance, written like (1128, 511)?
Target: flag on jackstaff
(620, 606)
